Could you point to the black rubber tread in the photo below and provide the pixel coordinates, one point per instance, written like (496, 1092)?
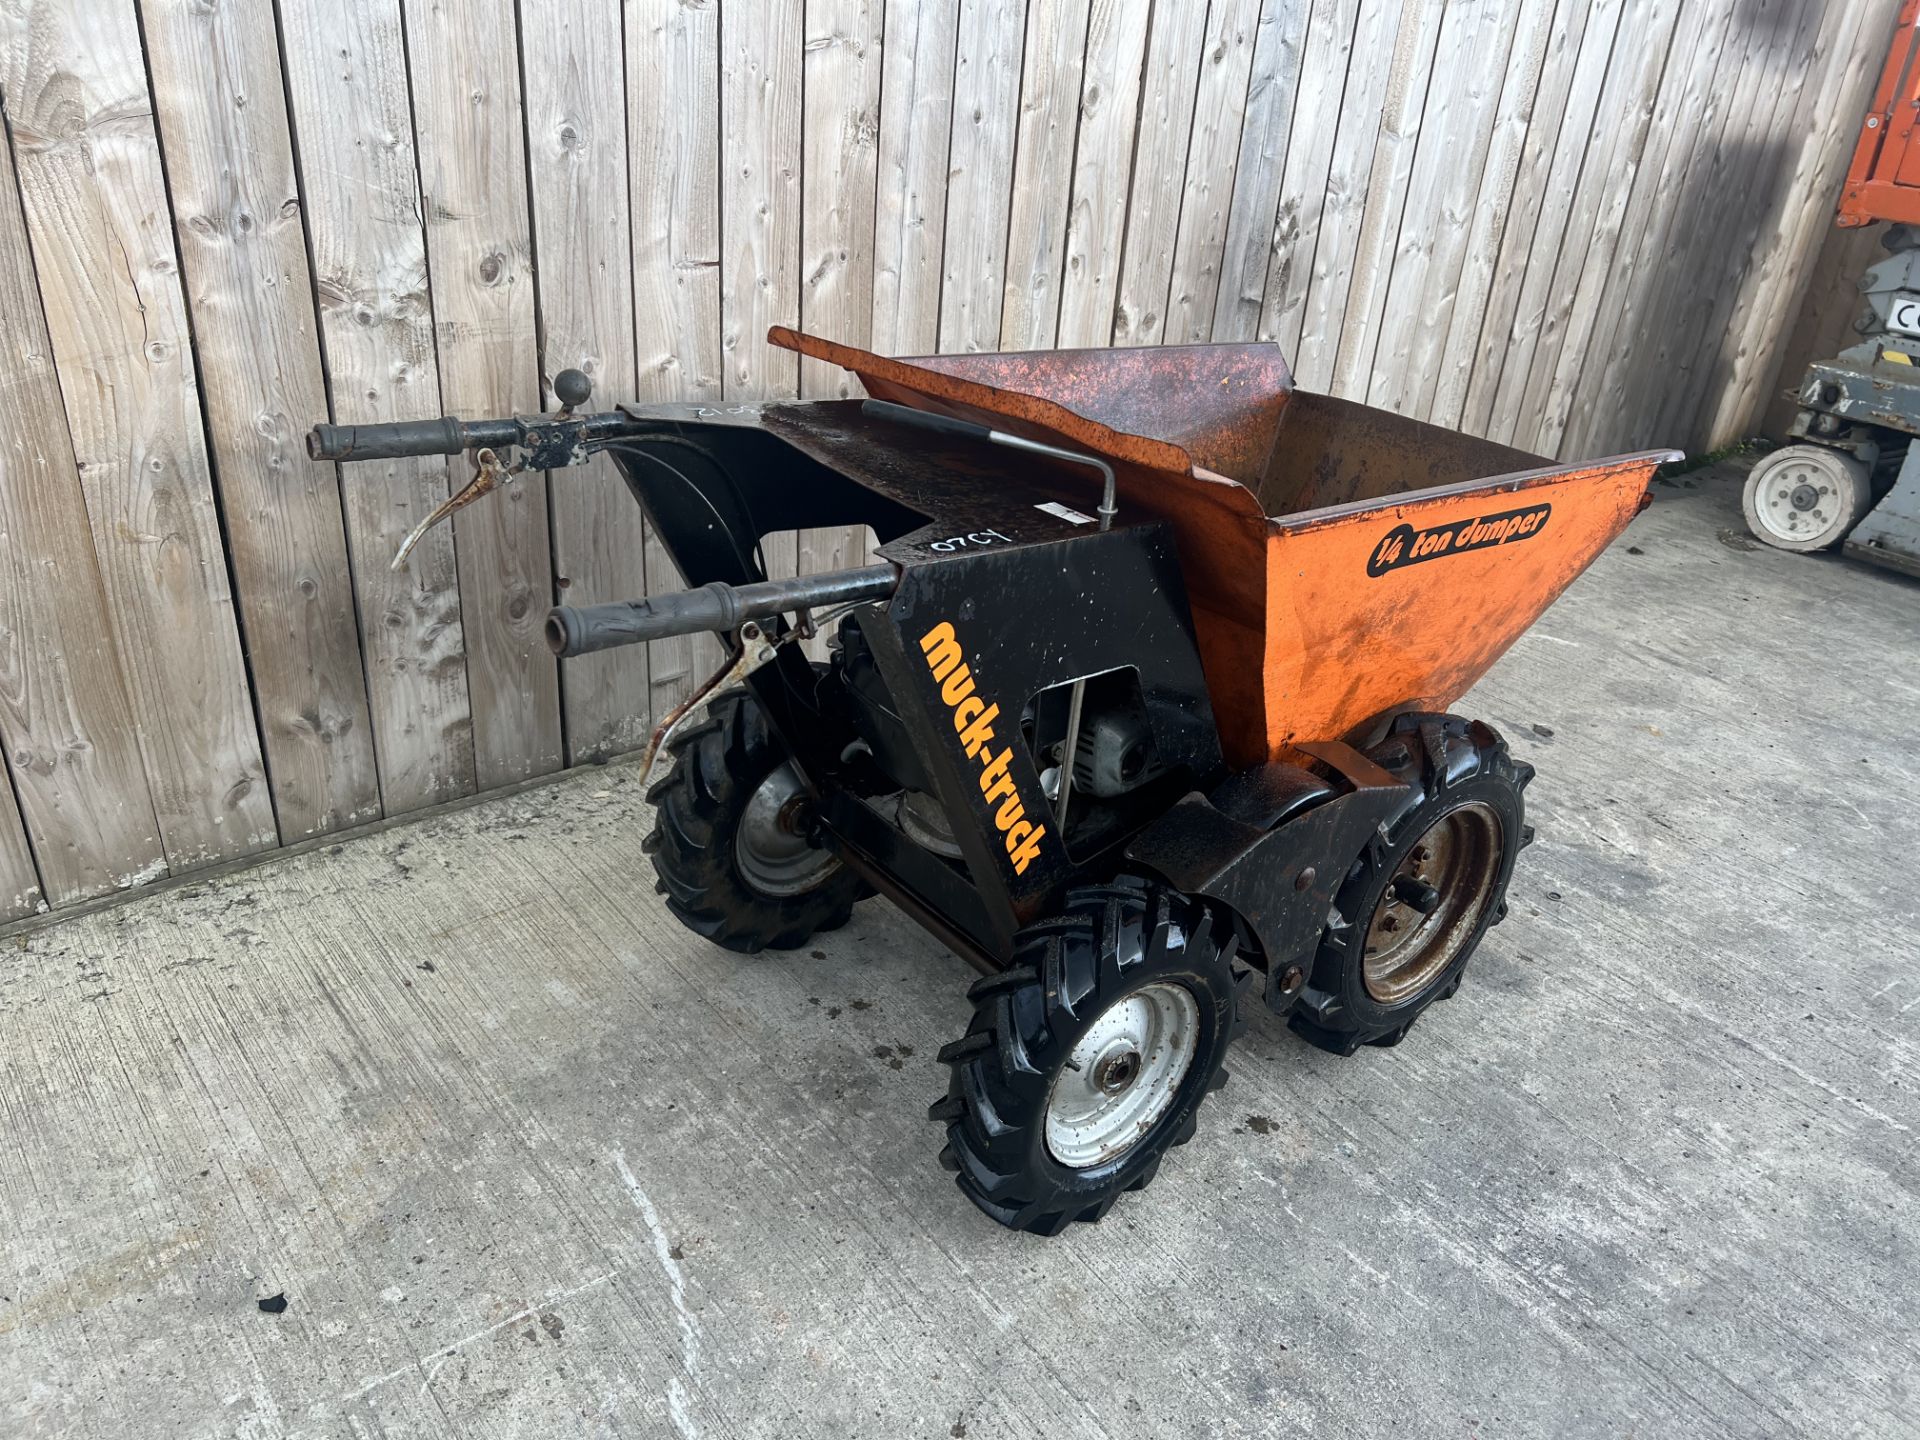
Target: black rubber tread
(1012, 978)
(1446, 761)
(1109, 941)
(718, 764)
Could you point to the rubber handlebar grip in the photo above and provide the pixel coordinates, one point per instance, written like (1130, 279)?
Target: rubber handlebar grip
(582, 630)
(713, 608)
(445, 436)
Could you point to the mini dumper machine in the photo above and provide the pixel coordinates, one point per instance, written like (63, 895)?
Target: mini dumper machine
(1094, 719)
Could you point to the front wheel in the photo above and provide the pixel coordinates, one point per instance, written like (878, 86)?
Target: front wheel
(730, 840)
(1089, 1055)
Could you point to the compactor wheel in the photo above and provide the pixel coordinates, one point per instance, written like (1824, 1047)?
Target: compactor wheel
(1431, 881)
(1089, 1055)
(730, 838)
(1806, 497)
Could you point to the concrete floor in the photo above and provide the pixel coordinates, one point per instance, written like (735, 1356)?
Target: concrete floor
(526, 1159)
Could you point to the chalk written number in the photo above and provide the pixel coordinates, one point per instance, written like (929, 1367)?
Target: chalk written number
(976, 537)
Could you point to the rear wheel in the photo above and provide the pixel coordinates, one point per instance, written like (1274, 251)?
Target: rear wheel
(730, 841)
(1430, 882)
(1089, 1055)
(1806, 497)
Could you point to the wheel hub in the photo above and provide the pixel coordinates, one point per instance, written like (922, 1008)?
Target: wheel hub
(1432, 903)
(771, 847)
(1798, 500)
(1116, 1071)
(1123, 1075)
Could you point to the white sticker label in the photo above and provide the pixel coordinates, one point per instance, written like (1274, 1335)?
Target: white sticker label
(1054, 507)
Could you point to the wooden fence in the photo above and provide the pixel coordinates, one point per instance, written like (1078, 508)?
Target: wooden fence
(1575, 225)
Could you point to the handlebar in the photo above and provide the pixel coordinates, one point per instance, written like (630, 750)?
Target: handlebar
(445, 436)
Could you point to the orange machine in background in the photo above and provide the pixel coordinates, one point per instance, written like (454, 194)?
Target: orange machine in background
(1883, 183)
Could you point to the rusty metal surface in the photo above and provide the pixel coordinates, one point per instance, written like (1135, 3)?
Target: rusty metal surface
(1221, 404)
(1162, 409)
(1335, 452)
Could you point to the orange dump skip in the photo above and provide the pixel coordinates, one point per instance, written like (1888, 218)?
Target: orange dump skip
(1343, 563)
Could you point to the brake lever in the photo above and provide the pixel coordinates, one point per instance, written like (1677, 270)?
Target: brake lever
(757, 648)
(489, 474)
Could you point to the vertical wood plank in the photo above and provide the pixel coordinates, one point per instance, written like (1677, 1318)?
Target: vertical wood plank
(1466, 103)
(1168, 118)
(673, 78)
(1594, 223)
(1688, 122)
(353, 132)
(910, 210)
(1531, 246)
(840, 165)
(986, 91)
(473, 179)
(21, 893)
(64, 716)
(760, 203)
(1304, 188)
(1299, 66)
(1110, 88)
(220, 103)
(575, 85)
(1054, 52)
(1402, 122)
(1336, 237)
(1213, 155)
(673, 81)
(1527, 92)
(109, 276)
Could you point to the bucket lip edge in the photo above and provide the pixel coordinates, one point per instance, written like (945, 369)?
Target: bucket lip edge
(1509, 483)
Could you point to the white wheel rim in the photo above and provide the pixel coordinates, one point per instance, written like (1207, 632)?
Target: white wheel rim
(1123, 1075)
(1799, 499)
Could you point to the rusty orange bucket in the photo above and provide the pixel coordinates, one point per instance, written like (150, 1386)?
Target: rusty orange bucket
(1343, 563)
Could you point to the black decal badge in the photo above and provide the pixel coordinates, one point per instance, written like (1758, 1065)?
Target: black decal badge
(1404, 545)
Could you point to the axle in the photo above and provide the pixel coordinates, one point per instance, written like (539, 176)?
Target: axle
(717, 607)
